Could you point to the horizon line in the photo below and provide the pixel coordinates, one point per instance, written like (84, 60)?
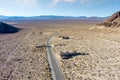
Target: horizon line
(52, 15)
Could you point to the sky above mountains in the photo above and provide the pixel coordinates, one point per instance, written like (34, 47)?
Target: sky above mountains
(88, 8)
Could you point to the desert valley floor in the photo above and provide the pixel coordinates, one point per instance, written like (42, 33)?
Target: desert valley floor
(98, 48)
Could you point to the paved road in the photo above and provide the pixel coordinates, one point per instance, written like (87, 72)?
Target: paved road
(56, 71)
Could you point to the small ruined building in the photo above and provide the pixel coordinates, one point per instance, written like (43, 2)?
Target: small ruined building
(68, 55)
(64, 37)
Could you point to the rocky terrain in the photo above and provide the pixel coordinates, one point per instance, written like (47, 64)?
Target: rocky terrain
(94, 52)
(112, 21)
(20, 58)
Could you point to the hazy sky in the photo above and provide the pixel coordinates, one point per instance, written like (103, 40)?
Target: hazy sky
(59, 7)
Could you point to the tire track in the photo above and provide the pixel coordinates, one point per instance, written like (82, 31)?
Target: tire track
(11, 54)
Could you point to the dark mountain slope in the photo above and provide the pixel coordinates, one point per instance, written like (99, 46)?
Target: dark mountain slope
(6, 28)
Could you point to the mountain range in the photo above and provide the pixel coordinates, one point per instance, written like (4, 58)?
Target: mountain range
(53, 17)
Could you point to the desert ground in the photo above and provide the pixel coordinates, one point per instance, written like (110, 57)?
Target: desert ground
(97, 48)
(20, 59)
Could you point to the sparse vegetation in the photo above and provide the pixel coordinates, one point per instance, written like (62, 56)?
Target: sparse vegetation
(98, 50)
(19, 57)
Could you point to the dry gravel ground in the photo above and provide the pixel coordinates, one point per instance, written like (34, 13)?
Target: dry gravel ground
(99, 48)
(19, 57)
(21, 60)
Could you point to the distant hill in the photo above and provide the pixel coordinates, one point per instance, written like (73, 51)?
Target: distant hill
(3, 17)
(112, 21)
(51, 17)
(6, 28)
